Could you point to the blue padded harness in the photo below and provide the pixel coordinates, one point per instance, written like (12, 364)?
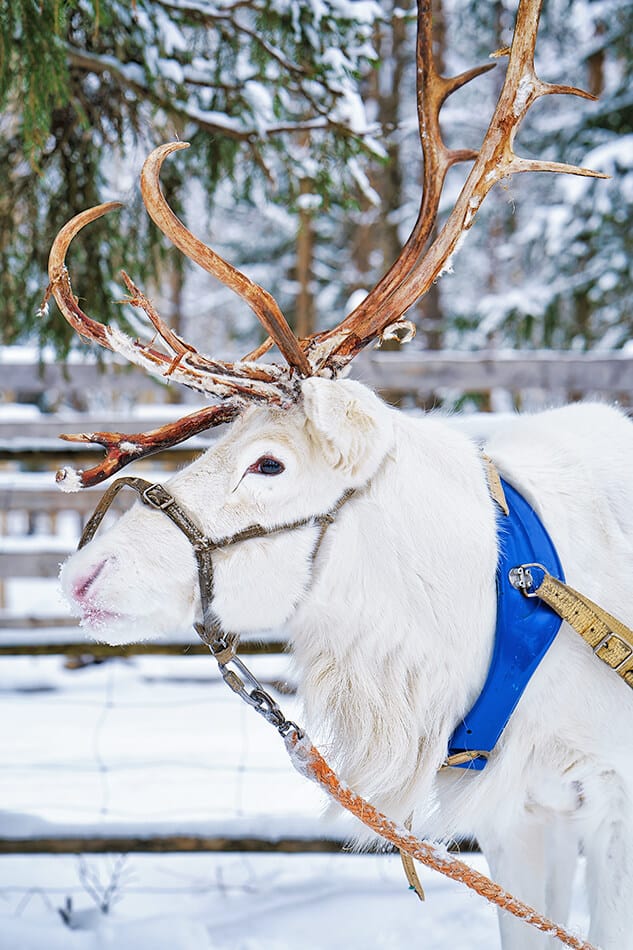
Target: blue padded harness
(526, 628)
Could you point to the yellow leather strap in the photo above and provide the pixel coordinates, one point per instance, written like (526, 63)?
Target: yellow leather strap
(609, 638)
(409, 867)
(494, 484)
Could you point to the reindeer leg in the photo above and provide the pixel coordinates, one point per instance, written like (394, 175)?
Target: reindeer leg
(609, 852)
(517, 857)
(562, 857)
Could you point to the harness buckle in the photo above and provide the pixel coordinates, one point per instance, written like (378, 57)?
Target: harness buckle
(158, 497)
(607, 642)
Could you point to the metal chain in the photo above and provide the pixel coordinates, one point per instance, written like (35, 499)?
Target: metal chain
(240, 679)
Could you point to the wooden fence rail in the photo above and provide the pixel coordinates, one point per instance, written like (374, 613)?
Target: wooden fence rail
(405, 371)
(76, 381)
(103, 651)
(119, 844)
(552, 371)
(15, 562)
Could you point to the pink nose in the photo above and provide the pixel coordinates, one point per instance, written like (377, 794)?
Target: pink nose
(81, 587)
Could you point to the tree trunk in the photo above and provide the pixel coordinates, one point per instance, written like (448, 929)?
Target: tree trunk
(305, 305)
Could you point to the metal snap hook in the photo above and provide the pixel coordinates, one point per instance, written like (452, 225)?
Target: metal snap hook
(522, 578)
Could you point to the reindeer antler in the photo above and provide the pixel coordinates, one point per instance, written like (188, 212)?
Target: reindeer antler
(432, 92)
(259, 300)
(412, 275)
(240, 382)
(122, 449)
(182, 363)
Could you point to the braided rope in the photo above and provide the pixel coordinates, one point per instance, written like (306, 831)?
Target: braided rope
(310, 763)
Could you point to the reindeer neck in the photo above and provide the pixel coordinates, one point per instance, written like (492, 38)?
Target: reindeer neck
(397, 629)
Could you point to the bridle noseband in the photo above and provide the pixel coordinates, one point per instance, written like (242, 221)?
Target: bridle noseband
(156, 496)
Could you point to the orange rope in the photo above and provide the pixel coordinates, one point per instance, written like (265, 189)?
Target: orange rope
(309, 762)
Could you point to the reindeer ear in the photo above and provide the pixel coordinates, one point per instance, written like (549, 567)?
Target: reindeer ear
(352, 427)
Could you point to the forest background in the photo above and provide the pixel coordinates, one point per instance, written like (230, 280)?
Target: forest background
(304, 168)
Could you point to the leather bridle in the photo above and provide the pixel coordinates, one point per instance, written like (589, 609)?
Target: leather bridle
(156, 496)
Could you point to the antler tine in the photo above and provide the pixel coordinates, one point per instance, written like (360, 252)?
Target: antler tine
(241, 381)
(432, 92)
(260, 301)
(61, 289)
(184, 365)
(121, 449)
(494, 161)
(244, 382)
(59, 284)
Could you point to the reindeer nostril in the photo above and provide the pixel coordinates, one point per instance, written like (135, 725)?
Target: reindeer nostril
(81, 587)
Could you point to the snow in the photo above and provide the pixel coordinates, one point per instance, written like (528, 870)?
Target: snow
(243, 902)
(18, 412)
(69, 479)
(309, 202)
(363, 182)
(524, 91)
(610, 158)
(23, 353)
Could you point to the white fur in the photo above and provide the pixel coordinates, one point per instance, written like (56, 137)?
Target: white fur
(393, 630)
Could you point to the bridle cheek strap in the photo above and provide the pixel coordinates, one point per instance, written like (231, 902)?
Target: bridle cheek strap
(156, 496)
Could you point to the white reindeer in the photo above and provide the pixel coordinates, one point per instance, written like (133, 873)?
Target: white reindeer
(393, 626)
(392, 619)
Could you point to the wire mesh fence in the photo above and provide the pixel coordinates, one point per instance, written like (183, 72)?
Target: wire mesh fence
(117, 755)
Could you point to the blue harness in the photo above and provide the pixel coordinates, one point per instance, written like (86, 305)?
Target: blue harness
(526, 628)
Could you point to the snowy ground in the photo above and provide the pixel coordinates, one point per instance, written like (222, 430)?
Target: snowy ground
(159, 745)
(240, 902)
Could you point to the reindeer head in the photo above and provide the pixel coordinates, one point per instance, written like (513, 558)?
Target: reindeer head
(274, 467)
(300, 436)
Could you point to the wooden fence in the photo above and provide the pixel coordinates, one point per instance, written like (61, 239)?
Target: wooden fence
(80, 383)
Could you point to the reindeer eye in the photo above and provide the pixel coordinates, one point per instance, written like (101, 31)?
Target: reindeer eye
(267, 465)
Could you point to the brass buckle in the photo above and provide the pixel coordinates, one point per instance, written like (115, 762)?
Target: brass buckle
(605, 642)
(158, 497)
